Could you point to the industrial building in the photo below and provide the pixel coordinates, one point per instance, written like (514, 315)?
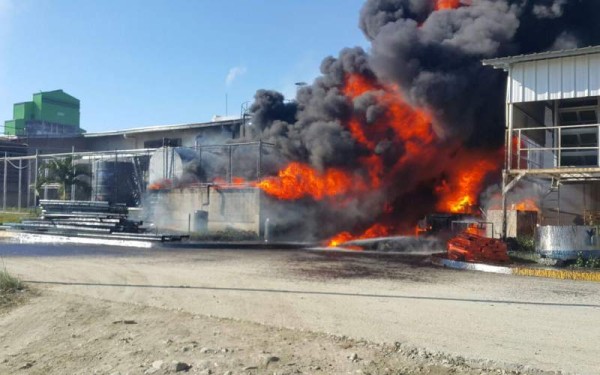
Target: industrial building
(53, 113)
(119, 166)
(552, 142)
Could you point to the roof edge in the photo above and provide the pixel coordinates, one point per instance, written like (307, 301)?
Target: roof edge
(506, 62)
(159, 128)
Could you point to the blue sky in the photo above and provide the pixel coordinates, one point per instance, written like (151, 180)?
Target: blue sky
(148, 62)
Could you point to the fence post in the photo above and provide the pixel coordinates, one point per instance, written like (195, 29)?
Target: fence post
(259, 161)
(73, 171)
(4, 181)
(230, 166)
(28, 204)
(19, 184)
(35, 179)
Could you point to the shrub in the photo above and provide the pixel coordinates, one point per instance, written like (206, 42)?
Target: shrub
(9, 283)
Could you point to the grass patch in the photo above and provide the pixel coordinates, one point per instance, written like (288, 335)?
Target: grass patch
(228, 234)
(17, 217)
(9, 283)
(10, 288)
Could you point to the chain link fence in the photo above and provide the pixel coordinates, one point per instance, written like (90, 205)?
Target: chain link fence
(123, 176)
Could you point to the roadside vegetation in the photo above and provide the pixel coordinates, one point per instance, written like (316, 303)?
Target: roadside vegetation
(591, 262)
(17, 216)
(10, 288)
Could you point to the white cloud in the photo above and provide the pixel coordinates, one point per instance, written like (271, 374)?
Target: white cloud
(234, 73)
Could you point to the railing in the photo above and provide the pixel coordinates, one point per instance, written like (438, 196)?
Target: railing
(545, 147)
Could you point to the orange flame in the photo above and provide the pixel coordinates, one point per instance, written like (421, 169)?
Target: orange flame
(460, 192)
(377, 230)
(161, 185)
(409, 131)
(527, 204)
(447, 4)
(299, 180)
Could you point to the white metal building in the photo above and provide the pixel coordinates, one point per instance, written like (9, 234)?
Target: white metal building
(553, 130)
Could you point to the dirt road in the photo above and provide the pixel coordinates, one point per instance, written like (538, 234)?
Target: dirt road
(492, 320)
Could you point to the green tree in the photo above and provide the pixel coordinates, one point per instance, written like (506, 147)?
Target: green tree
(66, 173)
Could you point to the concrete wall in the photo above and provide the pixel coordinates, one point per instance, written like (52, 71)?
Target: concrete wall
(238, 208)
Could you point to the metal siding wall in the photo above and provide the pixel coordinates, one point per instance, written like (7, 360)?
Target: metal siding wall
(529, 83)
(582, 76)
(517, 86)
(542, 71)
(555, 79)
(564, 78)
(595, 75)
(568, 78)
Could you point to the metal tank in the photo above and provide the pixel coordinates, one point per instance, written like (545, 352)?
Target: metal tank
(113, 181)
(169, 163)
(566, 242)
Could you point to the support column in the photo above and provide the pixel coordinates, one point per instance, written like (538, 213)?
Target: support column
(504, 204)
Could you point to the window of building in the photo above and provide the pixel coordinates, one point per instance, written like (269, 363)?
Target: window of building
(156, 143)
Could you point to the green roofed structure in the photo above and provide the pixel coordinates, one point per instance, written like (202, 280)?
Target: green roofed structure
(50, 113)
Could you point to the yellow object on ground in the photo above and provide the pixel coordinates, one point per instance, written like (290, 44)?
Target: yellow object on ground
(559, 274)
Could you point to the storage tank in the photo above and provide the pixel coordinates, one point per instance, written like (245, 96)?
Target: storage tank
(568, 241)
(170, 163)
(113, 181)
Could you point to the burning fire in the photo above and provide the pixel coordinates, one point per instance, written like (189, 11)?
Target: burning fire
(527, 204)
(377, 230)
(409, 130)
(411, 127)
(398, 144)
(161, 185)
(460, 192)
(299, 180)
(447, 4)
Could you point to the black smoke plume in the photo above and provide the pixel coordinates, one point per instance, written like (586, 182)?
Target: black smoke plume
(434, 57)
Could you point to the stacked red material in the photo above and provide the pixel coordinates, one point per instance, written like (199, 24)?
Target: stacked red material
(474, 248)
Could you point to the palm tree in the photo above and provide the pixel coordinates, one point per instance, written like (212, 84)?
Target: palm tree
(66, 173)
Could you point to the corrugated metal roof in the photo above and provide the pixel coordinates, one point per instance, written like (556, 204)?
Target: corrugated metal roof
(505, 62)
(162, 128)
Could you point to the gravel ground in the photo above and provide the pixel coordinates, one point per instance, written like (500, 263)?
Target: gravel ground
(394, 312)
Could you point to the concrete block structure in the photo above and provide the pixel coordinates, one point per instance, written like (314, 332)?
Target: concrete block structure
(207, 208)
